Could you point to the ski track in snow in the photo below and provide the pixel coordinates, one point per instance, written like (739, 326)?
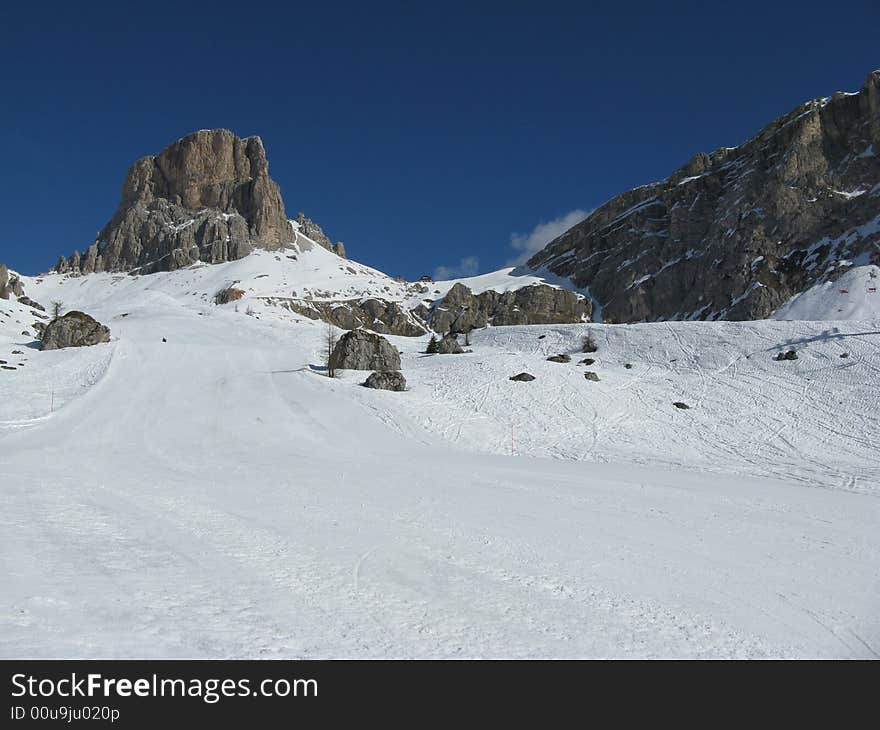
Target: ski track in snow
(213, 496)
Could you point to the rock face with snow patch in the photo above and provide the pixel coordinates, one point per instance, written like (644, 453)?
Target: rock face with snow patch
(10, 284)
(208, 197)
(461, 310)
(74, 329)
(736, 233)
(28, 302)
(312, 230)
(362, 350)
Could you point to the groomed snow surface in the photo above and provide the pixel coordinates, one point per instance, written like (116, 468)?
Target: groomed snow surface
(216, 495)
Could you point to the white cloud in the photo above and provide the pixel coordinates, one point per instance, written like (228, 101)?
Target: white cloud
(530, 243)
(468, 266)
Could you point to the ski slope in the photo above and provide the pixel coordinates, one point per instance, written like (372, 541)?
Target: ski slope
(215, 495)
(854, 295)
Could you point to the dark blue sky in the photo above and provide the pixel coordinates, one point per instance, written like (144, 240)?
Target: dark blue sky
(420, 134)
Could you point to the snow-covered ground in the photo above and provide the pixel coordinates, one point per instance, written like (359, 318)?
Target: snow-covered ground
(215, 495)
(854, 295)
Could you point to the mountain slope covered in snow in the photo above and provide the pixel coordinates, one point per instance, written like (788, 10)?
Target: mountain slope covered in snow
(198, 487)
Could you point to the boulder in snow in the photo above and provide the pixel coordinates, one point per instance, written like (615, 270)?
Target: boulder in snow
(74, 329)
(522, 377)
(362, 350)
(388, 380)
(559, 358)
(590, 375)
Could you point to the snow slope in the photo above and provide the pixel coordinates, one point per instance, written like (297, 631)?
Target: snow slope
(215, 495)
(814, 420)
(855, 295)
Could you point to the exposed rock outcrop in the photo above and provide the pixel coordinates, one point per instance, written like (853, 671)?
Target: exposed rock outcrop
(27, 301)
(379, 315)
(386, 380)
(362, 350)
(74, 329)
(735, 233)
(208, 197)
(461, 310)
(10, 284)
(312, 230)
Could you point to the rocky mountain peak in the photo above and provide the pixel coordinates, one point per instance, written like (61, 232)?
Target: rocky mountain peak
(735, 233)
(207, 197)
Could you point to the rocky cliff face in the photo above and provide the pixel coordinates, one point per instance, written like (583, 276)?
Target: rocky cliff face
(736, 233)
(208, 197)
(10, 284)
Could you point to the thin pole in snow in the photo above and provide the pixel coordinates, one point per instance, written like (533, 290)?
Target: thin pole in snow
(52, 405)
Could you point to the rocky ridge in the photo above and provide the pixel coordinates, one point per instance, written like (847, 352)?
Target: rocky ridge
(379, 315)
(313, 231)
(736, 233)
(461, 310)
